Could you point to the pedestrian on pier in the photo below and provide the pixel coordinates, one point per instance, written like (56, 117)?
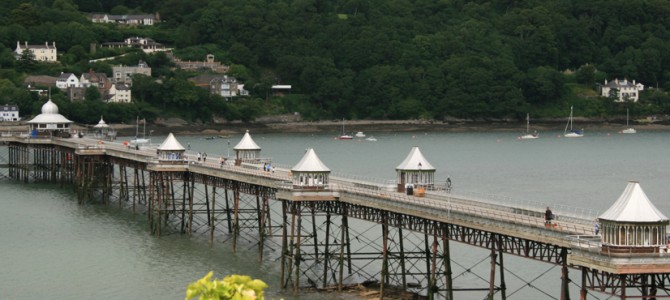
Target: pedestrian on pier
(223, 161)
(597, 227)
(204, 157)
(448, 186)
(548, 216)
(199, 156)
(188, 147)
(273, 169)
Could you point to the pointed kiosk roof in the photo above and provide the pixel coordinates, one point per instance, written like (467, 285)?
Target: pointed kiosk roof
(310, 163)
(413, 160)
(633, 206)
(171, 144)
(101, 124)
(247, 143)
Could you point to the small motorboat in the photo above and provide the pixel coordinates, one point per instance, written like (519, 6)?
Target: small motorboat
(360, 134)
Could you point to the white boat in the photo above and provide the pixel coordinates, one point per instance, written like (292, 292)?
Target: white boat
(572, 132)
(344, 136)
(140, 141)
(360, 134)
(371, 139)
(628, 129)
(528, 135)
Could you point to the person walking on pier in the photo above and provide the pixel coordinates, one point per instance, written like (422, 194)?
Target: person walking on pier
(199, 157)
(204, 157)
(548, 216)
(223, 161)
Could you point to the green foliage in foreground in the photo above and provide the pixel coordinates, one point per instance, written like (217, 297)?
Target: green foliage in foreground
(232, 287)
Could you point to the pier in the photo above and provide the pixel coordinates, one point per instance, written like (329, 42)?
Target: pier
(322, 223)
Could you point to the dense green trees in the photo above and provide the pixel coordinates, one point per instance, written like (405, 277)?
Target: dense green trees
(378, 59)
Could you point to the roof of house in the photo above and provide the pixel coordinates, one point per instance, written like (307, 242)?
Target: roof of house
(65, 76)
(415, 161)
(40, 80)
(246, 143)
(310, 162)
(10, 107)
(171, 144)
(633, 206)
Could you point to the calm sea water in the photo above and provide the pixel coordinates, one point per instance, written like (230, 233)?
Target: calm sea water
(51, 247)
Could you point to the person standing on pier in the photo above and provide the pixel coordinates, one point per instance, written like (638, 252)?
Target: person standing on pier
(548, 216)
(199, 156)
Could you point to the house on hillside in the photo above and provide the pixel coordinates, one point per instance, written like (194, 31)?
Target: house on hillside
(118, 93)
(134, 20)
(124, 74)
(280, 90)
(98, 80)
(67, 80)
(9, 113)
(227, 86)
(39, 83)
(622, 90)
(46, 52)
(147, 45)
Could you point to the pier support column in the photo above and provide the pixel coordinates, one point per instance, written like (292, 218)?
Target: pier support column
(385, 264)
(583, 292)
(284, 244)
(501, 266)
(446, 258)
(565, 280)
(492, 276)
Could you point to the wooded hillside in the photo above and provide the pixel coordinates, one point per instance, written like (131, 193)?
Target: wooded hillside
(355, 59)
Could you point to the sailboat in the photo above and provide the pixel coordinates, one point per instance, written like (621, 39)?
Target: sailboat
(344, 136)
(628, 129)
(143, 140)
(572, 132)
(528, 135)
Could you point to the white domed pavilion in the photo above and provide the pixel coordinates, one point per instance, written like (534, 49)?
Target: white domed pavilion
(50, 122)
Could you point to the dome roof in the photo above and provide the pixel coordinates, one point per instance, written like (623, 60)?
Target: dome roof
(50, 108)
(49, 115)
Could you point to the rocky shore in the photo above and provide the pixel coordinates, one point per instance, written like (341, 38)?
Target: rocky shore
(180, 127)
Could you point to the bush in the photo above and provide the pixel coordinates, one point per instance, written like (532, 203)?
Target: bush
(236, 287)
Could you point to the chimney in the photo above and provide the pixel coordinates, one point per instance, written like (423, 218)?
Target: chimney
(605, 81)
(46, 44)
(18, 45)
(54, 42)
(26, 43)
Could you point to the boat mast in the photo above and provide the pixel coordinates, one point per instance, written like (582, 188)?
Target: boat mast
(626, 117)
(137, 127)
(527, 122)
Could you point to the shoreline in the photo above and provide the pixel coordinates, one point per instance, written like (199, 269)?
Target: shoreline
(182, 128)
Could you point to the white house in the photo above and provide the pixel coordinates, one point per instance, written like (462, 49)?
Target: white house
(145, 20)
(44, 52)
(9, 112)
(119, 93)
(67, 80)
(625, 90)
